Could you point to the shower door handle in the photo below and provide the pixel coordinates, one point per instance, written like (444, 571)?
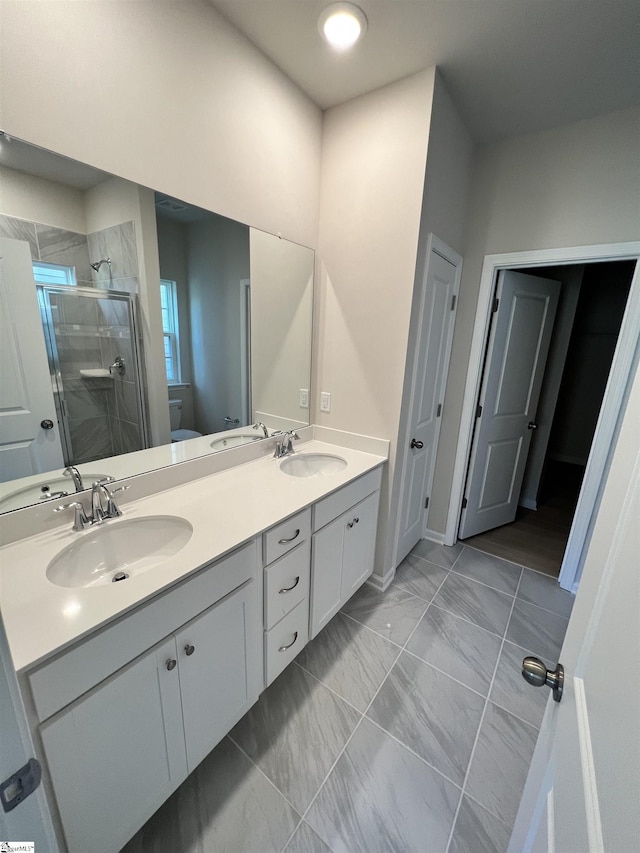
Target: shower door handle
(46, 424)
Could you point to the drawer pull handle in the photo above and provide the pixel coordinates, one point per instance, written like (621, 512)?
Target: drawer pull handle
(289, 588)
(189, 649)
(285, 541)
(171, 664)
(351, 523)
(284, 648)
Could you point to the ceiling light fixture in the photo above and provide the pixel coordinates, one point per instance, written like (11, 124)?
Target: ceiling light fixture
(342, 24)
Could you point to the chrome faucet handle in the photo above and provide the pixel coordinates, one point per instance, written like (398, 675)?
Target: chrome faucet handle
(81, 519)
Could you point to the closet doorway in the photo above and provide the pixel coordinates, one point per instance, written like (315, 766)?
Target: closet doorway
(593, 300)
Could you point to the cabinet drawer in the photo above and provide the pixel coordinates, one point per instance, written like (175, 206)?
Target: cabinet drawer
(285, 536)
(286, 583)
(335, 504)
(282, 643)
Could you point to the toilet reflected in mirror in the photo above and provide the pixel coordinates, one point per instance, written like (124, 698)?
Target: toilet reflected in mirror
(175, 418)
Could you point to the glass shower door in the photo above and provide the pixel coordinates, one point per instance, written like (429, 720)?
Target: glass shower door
(95, 361)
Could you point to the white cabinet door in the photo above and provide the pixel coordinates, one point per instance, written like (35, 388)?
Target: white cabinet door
(342, 560)
(326, 573)
(359, 545)
(117, 753)
(220, 664)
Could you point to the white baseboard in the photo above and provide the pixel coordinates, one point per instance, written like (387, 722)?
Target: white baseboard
(434, 536)
(382, 583)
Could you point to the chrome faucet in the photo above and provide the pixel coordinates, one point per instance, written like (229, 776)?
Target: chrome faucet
(103, 505)
(99, 511)
(261, 426)
(72, 471)
(285, 445)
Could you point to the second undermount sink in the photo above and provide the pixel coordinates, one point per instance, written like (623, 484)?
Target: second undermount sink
(115, 551)
(312, 464)
(234, 440)
(45, 489)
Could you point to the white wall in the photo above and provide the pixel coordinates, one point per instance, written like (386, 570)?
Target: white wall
(575, 185)
(444, 209)
(373, 166)
(168, 95)
(281, 326)
(39, 200)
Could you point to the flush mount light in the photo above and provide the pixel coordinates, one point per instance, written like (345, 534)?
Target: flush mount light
(342, 24)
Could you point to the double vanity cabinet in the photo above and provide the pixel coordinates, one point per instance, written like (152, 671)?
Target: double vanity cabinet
(121, 716)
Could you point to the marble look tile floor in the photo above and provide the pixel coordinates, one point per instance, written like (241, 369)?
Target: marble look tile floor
(405, 726)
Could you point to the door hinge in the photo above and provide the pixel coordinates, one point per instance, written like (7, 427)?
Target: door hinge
(479, 411)
(426, 503)
(453, 302)
(464, 503)
(496, 302)
(439, 410)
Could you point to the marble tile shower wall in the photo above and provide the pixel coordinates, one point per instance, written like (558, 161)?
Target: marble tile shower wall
(102, 413)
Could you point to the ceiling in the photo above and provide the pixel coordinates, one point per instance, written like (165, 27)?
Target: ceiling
(511, 66)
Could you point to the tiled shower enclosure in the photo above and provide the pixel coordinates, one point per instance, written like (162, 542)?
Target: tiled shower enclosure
(99, 405)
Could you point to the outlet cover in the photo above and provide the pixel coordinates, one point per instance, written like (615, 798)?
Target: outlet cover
(325, 401)
(304, 398)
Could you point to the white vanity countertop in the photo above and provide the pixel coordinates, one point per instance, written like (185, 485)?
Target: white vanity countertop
(225, 510)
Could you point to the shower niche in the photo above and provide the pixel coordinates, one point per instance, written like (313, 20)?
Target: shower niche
(92, 343)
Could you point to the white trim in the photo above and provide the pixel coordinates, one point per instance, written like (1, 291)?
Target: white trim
(589, 782)
(434, 244)
(551, 821)
(383, 583)
(614, 395)
(434, 536)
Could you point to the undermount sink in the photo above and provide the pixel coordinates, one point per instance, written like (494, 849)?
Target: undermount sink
(312, 464)
(117, 550)
(234, 440)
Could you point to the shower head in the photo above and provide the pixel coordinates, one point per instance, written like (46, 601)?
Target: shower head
(96, 266)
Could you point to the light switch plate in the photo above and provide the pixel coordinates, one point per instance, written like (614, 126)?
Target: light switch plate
(304, 398)
(325, 401)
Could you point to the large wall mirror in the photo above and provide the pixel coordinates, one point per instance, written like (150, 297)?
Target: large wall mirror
(136, 330)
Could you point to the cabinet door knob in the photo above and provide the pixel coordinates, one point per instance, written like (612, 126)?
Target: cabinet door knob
(285, 541)
(171, 664)
(284, 648)
(289, 588)
(189, 649)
